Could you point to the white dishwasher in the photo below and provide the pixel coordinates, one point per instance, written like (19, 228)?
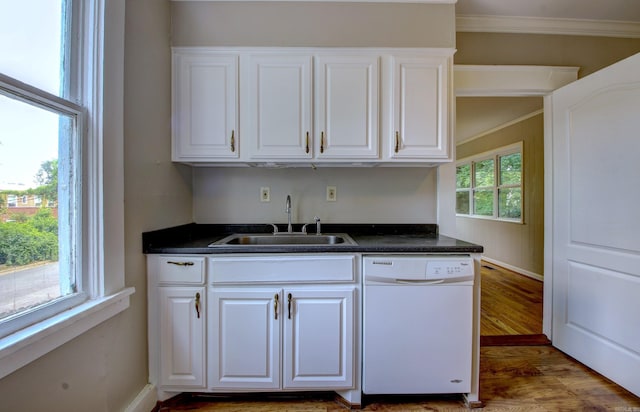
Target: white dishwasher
(417, 326)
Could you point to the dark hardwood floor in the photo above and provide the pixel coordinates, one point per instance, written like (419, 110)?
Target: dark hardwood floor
(511, 308)
(512, 378)
(533, 377)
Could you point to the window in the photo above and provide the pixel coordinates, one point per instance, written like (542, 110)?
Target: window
(12, 200)
(489, 185)
(41, 139)
(53, 103)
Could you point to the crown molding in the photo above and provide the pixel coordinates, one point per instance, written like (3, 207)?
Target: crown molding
(510, 80)
(540, 25)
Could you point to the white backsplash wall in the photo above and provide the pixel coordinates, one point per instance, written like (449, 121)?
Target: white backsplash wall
(364, 195)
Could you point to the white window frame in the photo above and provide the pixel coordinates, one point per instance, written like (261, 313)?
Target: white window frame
(495, 156)
(99, 93)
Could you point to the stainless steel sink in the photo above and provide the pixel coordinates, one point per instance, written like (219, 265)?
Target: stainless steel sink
(284, 239)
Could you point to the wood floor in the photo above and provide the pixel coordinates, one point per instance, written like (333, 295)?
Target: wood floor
(512, 378)
(511, 308)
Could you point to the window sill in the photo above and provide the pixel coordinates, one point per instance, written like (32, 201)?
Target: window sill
(28, 344)
(491, 219)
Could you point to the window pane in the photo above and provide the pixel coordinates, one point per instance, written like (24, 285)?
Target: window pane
(511, 169)
(483, 202)
(31, 42)
(484, 173)
(37, 148)
(463, 176)
(462, 202)
(510, 203)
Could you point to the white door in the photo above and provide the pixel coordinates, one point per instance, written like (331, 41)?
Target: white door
(277, 91)
(244, 338)
(595, 252)
(205, 106)
(318, 339)
(182, 353)
(346, 107)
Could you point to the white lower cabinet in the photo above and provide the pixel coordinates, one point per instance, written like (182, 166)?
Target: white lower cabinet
(307, 333)
(249, 323)
(182, 337)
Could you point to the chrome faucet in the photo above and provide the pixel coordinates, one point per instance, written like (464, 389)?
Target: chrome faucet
(287, 209)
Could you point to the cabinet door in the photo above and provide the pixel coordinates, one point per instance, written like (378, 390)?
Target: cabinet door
(244, 338)
(318, 338)
(346, 111)
(278, 97)
(205, 107)
(182, 339)
(420, 109)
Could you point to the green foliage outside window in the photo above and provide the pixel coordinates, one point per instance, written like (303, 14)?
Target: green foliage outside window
(511, 169)
(29, 239)
(463, 176)
(490, 183)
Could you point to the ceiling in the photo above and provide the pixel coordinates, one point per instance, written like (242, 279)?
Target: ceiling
(617, 18)
(613, 10)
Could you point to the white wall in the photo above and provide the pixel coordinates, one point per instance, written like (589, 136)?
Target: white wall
(365, 195)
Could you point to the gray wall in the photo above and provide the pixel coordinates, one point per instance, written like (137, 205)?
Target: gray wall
(105, 368)
(312, 24)
(519, 245)
(381, 195)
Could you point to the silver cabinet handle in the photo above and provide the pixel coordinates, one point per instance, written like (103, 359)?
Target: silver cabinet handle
(180, 263)
(276, 299)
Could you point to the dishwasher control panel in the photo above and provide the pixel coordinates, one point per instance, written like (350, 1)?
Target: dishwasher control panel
(418, 267)
(448, 268)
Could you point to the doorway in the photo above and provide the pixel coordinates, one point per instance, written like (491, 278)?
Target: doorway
(513, 258)
(499, 105)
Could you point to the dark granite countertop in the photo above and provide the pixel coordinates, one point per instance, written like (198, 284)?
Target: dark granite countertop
(370, 238)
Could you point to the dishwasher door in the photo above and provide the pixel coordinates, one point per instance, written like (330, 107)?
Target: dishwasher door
(417, 327)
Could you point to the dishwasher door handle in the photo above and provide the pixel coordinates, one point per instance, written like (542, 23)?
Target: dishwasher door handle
(419, 281)
(401, 281)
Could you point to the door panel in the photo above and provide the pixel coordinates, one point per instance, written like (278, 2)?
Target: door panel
(182, 350)
(244, 338)
(595, 252)
(318, 339)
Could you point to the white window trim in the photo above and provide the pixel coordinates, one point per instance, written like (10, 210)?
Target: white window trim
(28, 344)
(494, 154)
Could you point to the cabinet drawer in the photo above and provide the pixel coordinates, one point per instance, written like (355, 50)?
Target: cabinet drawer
(182, 269)
(295, 269)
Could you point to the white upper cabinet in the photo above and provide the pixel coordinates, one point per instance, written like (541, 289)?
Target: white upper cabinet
(421, 106)
(205, 106)
(346, 109)
(277, 110)
(326, 106)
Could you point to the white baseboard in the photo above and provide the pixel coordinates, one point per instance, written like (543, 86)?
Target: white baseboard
(524, 272)
(145, 401)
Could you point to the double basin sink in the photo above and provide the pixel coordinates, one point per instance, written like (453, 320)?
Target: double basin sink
(284, 239)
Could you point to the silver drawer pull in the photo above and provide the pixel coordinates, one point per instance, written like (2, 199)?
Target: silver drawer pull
(180, 263)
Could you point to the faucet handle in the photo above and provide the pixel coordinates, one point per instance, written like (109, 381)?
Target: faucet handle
(275, 228)
(317, 220)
